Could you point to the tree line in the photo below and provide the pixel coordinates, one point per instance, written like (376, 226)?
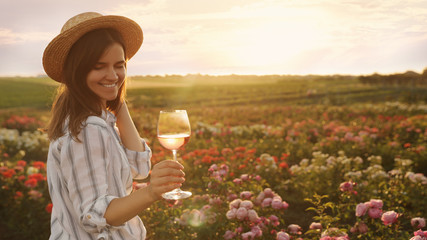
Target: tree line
(409, 78)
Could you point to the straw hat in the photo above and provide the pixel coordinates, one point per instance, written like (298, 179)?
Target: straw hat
(56, 52)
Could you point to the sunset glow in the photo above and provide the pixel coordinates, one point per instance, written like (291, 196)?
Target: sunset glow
(240, 37)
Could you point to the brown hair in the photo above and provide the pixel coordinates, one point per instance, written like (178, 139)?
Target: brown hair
(74, 100)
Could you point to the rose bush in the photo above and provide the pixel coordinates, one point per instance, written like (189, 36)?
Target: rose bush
(22, 123)
(25, 205)
(271, 172)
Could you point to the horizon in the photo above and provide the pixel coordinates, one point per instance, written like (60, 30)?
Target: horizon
(230, 74)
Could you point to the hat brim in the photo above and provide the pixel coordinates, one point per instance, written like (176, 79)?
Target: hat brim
(56, 52)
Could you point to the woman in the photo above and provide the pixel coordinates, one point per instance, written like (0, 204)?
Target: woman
(95, 149)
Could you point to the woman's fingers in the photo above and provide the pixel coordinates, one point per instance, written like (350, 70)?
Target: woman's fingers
(161, 185)
(167, 168)
(167, 172)
(157, 191)
(169, 164)
(166, 180)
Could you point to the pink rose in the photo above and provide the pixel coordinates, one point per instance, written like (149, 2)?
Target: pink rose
(248, 236)
(183, 220)
(274, 220)
(363, 228)
(374, 212)
(361, 209)
(218, 178)
(315, 225)
(277, 197)
(206, 207)
(231, 214)
(215, 201)
(259, 198)
(389, 217)
(213, 168)
(229, 235)
(268, 192)
(231, 197)
(346, 187)
(244, 177)
(235, 203)
(360, 227)
(275, 223)
(257, 231)
(253, 216)
(294, 229)
(277, 203)
(266, 202)
(418, 222)
(285, 205)
(282, 236)
(245, 195)
(210, 218)
(420, 233)
(34, 194)
(376, 203)
(241, 213)
(246, 204)
(341, 238)
(223, 171)
(237, 181)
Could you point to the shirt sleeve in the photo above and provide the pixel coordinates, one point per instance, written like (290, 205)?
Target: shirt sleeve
(84, 168)
(139, 161)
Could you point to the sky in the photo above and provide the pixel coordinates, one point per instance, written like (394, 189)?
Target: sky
(300, 37)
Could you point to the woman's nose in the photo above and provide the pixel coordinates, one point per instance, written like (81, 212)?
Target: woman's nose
(112, 74)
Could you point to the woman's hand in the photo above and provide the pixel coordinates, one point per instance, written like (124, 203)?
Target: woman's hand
(122, 107)
(165, 176)
(128, 132)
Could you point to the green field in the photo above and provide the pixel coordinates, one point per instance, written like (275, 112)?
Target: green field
(210, 91)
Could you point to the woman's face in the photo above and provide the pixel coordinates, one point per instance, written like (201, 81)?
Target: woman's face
(108, 74)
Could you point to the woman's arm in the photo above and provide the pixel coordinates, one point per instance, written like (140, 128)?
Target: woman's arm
(128, 133)
(165, 176)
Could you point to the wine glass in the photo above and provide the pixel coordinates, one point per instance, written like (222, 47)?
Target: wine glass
(173, 132)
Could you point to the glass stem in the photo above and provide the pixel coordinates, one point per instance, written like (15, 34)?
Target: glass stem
(174, 155)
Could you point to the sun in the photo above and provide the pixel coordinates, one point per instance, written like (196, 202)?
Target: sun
(271, 44)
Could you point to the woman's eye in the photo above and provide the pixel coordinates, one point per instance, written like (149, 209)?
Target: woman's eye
(97, 67)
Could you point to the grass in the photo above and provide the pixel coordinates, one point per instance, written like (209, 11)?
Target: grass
(194, 91)
(25, 92)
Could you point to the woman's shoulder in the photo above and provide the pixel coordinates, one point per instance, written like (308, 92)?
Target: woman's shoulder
(93, 125)
(106, 119)
(95, 121)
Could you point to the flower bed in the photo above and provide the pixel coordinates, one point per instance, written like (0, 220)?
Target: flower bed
(318, 172)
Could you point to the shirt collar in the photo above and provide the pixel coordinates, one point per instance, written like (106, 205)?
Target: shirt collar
(108, 117)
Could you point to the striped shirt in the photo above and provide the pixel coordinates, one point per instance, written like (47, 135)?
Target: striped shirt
(84, 177)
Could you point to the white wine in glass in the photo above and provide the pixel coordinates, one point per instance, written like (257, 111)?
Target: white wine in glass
(173, 132)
